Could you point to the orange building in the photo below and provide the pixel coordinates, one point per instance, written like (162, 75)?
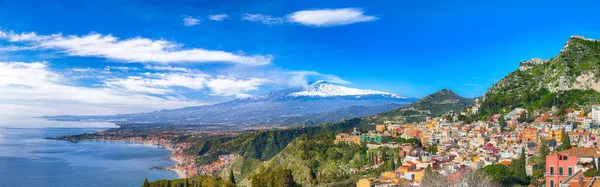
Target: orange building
(529, 135)
(346, 138)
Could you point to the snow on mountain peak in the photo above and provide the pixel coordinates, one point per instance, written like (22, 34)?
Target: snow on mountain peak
(323, 89)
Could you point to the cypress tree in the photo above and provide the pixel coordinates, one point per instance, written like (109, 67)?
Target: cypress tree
(231, 177)
(519, 171)
(146, 184)
(168, 184)
(186, 183)
(565, 141)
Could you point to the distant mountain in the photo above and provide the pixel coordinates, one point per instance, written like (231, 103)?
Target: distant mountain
(436, 104)
(570, 79)
(320, 102)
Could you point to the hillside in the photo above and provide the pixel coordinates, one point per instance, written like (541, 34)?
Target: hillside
(434, 105)
(570, 79)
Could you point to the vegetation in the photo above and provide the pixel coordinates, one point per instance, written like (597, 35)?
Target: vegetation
(192, 182)
(433, 105)
(565, 141)
(262, 145)
(549, 84)
(509, 176)
(278, 177)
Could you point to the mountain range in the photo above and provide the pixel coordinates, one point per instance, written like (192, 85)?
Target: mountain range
(320, 102)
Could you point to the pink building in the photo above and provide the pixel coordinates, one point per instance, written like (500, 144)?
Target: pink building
(558, 168)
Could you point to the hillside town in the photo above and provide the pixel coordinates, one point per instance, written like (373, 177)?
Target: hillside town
(467, 147)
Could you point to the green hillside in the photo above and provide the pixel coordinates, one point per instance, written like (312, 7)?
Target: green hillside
(568, 80)
(432, 105)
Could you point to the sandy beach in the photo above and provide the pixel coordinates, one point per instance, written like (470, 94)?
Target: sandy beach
(179, 160)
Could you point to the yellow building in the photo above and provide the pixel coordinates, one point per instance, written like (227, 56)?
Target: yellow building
(380, 128)
(555, 134)
(368, 182)
(346, 138)
(419, 176)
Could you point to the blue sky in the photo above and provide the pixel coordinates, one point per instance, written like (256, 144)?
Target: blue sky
(200, 52)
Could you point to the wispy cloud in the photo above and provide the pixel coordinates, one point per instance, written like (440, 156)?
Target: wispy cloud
(218, 17)
(302, 78)
(330, 17)
(265, 19)
(234, 87)
(189, 21)
(471, 84)
(316, 17)
(130, 50)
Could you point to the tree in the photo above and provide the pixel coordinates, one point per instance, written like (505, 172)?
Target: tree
(146, 183)
(231, 177)
(477, 179)
(288, 179)
(393, 162)
(168, 184)
(591, 173)
(502, 123)
(498, 172)
(543, 152)
(565, 141)
(519, 170)
(186, 183)
(523, 117)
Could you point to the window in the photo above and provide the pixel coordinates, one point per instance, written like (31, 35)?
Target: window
(564, 157)
(560, 170)
(570, 171)
(551, 183)
(551, 170)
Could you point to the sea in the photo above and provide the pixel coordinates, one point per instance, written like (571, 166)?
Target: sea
(28, 158)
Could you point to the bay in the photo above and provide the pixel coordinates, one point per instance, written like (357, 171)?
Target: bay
(27, 158)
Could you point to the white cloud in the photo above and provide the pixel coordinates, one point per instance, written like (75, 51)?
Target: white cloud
(159, 83)
(130, 50)
(329, 17)
(302, 78)
(234, 87)
(42, 91)
(218, 17)
(265, 19)
(189, 21)
(166, 68)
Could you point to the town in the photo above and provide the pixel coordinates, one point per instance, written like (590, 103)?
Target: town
(454, 148)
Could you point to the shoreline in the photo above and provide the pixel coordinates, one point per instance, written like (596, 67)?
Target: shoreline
(179, 172)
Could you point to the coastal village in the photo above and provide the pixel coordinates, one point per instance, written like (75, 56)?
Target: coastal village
(453, 148)
(463, 148)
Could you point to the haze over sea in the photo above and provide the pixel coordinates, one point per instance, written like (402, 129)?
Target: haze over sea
(27, 158)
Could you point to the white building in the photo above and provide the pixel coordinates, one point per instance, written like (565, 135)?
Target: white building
(596, 114)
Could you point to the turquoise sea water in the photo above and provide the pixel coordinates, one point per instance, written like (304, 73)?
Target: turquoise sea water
(27, 158)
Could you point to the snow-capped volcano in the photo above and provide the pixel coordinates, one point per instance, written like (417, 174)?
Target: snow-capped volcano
(324, 89)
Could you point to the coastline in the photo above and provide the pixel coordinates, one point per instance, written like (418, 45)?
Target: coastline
(179, 172)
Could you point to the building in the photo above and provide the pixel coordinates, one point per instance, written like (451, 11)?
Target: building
(375, 138)
(380, 128)
(561, 165)
(555, 134)
(346, 138)
(353, 138)
(529, 135)
(596, 114)
(368, 182)
(558, 168)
